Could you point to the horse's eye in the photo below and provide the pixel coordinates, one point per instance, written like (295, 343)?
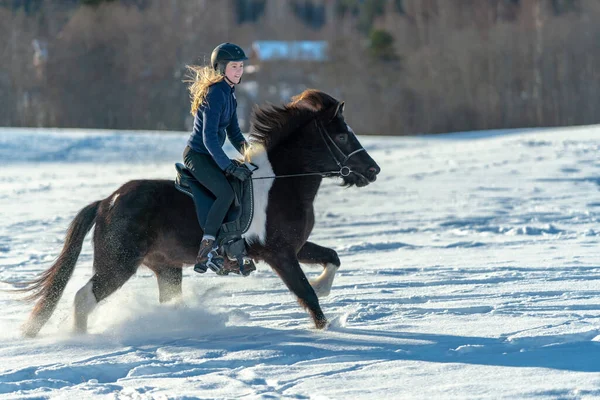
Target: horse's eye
(342, 137)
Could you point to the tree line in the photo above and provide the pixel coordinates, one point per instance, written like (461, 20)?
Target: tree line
(402, 66)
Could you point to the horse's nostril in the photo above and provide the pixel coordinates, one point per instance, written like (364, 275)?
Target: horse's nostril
(372, 173)
(374, 170)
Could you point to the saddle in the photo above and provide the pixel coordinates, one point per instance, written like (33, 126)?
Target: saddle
(236, 222)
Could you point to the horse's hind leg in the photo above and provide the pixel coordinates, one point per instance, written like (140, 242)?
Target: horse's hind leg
(288, 268)
(85, 302)
(312, 253)
(169, 283)
(102, 285)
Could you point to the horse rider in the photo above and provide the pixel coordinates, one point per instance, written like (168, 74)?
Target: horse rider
(214, 105)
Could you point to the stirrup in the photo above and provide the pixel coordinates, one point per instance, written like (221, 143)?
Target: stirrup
(214, 262)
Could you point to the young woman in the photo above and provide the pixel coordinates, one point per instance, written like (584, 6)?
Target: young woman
(214, 108)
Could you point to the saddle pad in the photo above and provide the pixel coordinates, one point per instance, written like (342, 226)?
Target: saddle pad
(239, 217)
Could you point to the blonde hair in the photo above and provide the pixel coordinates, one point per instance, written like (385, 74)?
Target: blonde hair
(200, 79)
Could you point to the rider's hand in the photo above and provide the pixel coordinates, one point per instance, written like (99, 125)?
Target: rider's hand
(242, 173)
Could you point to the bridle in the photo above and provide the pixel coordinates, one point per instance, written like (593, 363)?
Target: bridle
(344, 169)
(330, 144)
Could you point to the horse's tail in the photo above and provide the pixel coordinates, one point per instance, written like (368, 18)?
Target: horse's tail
(49, 286)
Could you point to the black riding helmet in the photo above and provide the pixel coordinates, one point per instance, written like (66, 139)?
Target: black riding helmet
(225, 53)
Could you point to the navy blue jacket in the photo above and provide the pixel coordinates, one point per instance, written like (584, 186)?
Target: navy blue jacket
(216, 118)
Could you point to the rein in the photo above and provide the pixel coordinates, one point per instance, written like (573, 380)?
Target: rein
(344, 169)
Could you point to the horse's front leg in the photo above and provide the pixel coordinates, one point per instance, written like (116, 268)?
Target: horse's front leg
(312, 253)
(286, 264)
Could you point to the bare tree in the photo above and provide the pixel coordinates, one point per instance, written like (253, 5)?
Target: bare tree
(460, 65)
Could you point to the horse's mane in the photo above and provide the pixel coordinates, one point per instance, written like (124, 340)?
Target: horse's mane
(272, 124)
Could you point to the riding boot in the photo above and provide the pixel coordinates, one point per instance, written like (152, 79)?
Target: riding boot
(239, 265)
(208, 257)
(230, 265)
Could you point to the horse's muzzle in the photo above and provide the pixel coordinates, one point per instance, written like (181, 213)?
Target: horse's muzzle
(372, 172)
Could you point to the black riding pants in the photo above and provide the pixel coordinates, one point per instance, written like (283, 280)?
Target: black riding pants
(208, 173)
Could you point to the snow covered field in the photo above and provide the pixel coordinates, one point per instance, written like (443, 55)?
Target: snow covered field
(470, 269)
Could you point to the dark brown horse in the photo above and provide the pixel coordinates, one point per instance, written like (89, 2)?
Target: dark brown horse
(150, 222)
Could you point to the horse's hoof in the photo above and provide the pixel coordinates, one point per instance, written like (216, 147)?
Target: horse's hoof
(321, 323)
(28, 331)
(79, 329)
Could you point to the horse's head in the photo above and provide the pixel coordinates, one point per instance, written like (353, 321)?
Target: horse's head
(341, 148)
(311, 133)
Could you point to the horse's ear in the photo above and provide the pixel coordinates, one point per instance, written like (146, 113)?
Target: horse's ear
(334, 111)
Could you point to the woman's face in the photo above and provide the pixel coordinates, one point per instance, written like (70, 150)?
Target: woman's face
(234, 71)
